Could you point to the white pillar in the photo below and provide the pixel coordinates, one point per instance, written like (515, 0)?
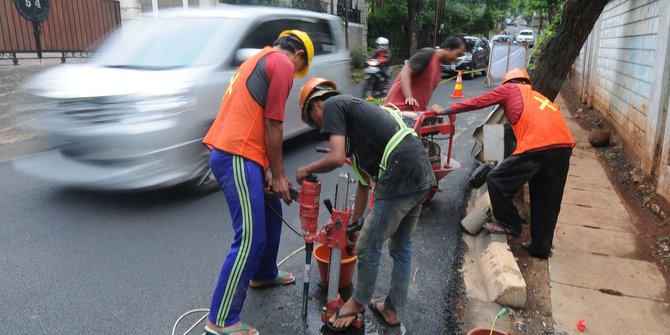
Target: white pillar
(207, 3)
(154, 7)
(130, 9)
(185, 3)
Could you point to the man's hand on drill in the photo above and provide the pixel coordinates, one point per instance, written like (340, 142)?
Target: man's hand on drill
(301, 174)
(267, 186)
(281, 186)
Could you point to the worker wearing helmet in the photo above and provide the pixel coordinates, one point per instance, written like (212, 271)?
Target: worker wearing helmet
(382, 149)
(246, 158)
(414, 85)
(383, 55)
(541, 158)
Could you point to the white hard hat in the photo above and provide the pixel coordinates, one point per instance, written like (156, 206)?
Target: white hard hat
(382, 43)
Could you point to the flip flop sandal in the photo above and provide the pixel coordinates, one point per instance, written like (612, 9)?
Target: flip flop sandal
(245, 327)
(372, 305)
(358, 317)
(496, 229)
(277, 281)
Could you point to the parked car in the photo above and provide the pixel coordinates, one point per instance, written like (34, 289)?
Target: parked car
(525, 36)
(501, 39)
(476, 58)
(509, 21)
(133, 118)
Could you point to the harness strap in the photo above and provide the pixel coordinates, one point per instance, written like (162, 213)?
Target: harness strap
(402, 132)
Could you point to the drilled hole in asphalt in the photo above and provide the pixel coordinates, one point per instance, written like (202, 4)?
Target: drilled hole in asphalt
(611, 292)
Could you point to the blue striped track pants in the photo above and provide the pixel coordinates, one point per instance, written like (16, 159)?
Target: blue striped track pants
(253, 252)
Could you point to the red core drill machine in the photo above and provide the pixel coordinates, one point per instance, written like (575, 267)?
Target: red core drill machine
(334, 234)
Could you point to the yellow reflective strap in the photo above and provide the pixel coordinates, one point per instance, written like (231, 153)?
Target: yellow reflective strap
(391, 145)
(396, 115)
(395, 139)
(359, 175)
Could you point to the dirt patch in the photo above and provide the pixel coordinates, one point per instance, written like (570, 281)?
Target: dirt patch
(647, 209)
(536, 317)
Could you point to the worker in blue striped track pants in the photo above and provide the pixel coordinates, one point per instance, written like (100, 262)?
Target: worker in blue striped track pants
(252, 259)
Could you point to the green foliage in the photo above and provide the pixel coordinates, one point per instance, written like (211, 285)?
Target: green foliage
(358, 57)
(646, 197)
(548, 33)
(389, 18)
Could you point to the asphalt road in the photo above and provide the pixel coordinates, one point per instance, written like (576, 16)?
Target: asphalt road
(74, 262)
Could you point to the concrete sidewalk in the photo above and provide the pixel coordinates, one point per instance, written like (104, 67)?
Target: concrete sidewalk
(593, 274)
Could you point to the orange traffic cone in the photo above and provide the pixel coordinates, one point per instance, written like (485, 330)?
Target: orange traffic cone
(458, 88)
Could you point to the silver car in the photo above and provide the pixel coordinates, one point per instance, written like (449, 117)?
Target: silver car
(133, 118)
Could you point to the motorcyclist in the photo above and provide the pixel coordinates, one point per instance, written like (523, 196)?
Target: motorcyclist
(383, 55)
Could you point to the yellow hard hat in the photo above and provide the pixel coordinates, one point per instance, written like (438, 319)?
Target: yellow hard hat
(309, 48)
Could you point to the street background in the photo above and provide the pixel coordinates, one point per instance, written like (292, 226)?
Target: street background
(76, 261)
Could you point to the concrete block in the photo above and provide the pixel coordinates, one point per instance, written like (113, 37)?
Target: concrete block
(494, 142)
(604, 314)
(610, 219)
(585, 239)
(477, 215)
(629, 277)
(505, 284)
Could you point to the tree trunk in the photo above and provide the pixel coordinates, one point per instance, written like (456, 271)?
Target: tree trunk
(556, 55)
(413, 14)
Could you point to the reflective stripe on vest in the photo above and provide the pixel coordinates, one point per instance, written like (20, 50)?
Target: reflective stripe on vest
(390, 146)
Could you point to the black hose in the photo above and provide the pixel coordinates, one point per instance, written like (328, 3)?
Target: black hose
(282, 219)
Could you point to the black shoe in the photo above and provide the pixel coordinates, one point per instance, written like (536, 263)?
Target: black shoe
(528, 247)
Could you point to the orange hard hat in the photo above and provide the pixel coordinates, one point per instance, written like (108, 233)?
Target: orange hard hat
(314, 87)
(516, 73)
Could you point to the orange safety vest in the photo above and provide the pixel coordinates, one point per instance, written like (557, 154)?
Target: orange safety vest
(540, 124)
(239, 128)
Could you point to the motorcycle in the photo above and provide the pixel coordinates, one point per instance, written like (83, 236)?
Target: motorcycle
(376, 82)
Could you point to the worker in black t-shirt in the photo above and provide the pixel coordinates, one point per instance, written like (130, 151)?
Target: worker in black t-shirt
(382, 149)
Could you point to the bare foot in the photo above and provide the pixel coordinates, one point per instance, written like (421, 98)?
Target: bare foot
(238, 325)
(347, 314)
(390, 316)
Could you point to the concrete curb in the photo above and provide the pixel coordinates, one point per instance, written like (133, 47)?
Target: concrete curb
(492, 278)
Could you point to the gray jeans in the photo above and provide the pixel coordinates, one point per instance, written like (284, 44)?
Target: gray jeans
(394, 219)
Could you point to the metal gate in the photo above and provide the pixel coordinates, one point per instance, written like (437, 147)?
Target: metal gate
(73, 28)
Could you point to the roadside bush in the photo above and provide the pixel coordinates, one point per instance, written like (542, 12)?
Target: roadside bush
(358, 57)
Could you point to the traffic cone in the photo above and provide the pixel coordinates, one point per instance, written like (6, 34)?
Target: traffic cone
(458, 88)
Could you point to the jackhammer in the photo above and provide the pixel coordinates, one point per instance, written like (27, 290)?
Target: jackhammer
(333, 234)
